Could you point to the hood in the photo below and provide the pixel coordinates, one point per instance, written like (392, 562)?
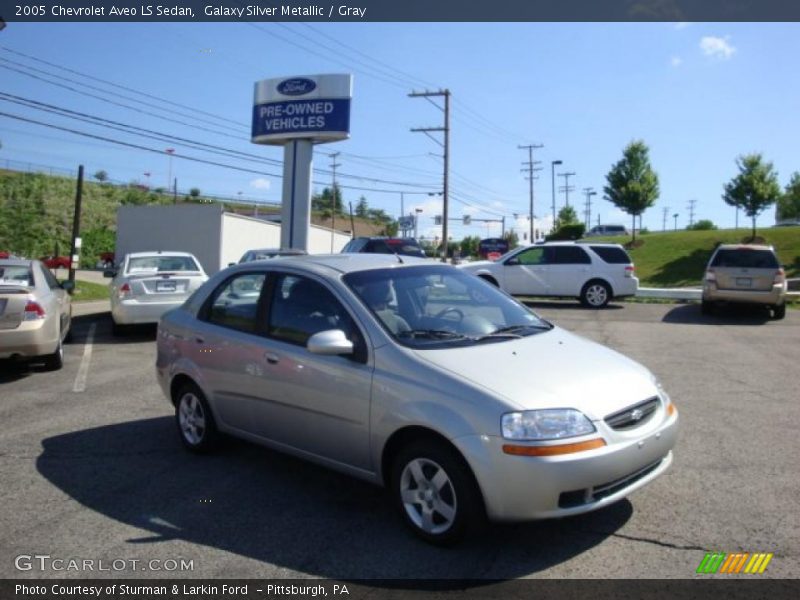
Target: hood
(553, 369)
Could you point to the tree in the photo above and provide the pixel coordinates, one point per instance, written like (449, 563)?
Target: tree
(789, 202)
(469, 245)
(566, 216)
(194, 192)
(512, 238)
(755, 187)
(101, 176)
(632, 183)
(362, 208)
(702, 225)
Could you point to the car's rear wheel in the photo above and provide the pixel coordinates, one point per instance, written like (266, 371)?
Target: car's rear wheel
(779, 311)
(595, 294)
(195, 422)
(54, 361)
(435, 492)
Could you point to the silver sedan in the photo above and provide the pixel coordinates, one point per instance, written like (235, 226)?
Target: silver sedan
(35, 312)
(419, 377)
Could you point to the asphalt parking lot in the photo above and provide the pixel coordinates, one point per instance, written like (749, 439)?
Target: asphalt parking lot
(92, 468)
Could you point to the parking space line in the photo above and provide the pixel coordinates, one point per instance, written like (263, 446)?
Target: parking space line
(83, 370)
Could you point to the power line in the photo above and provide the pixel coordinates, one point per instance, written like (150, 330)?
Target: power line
(530, 170)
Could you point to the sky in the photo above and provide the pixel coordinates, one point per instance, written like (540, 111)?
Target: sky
(698, 94)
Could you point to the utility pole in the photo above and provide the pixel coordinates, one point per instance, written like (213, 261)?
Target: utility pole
(691, 211)
(553, 183)
(446, 147)
(664, 219)
(675, 216)
(334, 164)
(530, 169)
(587, 214)
(567, 188)
(76, 225)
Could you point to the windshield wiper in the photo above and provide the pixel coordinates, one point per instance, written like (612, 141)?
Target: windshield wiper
(436, 334)
(513, 331)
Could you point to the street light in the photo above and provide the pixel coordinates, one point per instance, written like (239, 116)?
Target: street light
(170, 152)
(553, 179)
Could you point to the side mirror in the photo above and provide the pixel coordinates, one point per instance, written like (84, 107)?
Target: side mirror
(231, 264)
(512, 262)
(110, 273)
(331, 343)
(68, 285)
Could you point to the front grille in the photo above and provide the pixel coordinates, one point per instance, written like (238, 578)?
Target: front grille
(589, 495)
(633, 416)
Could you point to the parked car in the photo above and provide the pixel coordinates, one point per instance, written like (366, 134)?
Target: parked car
(417, 376)
(593, 273)
(55, 262)
(606, 230)
(385, 245)
(267, 253)
(147, 284)
(35, 312)
(745, 274)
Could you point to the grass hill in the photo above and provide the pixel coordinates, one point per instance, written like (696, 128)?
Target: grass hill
(36, 213)
(679, 258)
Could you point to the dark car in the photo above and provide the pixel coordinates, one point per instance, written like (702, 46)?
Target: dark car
(385, 245)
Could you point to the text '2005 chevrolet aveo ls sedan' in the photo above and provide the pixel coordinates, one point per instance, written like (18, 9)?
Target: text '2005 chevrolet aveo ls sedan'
(417, 376)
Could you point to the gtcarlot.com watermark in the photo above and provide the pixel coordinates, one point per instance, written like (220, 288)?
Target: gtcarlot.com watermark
(46, 562)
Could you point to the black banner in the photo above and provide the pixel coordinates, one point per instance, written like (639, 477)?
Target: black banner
(707, 588)
(400, 10)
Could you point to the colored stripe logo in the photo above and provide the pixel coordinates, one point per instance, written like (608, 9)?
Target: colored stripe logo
(735, 563)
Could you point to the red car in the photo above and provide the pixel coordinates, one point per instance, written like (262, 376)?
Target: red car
(55, 262)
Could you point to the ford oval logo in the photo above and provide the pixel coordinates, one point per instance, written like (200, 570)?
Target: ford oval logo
(296, 87)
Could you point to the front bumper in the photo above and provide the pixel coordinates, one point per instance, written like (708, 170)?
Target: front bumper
(517, 488)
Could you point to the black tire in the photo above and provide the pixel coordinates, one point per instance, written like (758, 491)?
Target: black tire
(779, 311)
(595, 294)
(419, 502)
(54, 361)
(117, 329)
(706, 307)
(194, 420)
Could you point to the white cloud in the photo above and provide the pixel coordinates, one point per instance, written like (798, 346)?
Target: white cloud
(681, 25)
(717, 47)
(676, 61)
(261, 183)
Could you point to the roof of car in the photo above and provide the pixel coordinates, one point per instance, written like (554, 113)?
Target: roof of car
(345, 263)
(745, 247)
(159, 253)
(16, 262)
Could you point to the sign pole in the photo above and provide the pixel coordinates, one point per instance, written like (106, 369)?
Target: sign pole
(296, 205)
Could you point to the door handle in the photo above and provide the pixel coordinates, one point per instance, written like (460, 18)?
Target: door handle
(271, 358)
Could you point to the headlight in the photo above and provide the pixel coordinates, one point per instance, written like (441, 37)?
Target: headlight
(662, 392)
(548, 424)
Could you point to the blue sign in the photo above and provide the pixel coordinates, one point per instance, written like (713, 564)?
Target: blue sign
(301, 118)
(297, 86)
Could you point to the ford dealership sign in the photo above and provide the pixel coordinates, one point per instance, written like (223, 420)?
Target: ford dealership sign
(296, 87)
(316, 107)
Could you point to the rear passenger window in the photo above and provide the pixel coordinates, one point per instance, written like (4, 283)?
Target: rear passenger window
(746, 258)
(235, 303)
(569, 255)
(612, 255)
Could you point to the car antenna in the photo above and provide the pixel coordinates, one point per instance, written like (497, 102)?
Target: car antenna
(400, 260)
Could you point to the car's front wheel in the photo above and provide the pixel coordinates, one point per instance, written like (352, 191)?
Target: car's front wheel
(195, 422)
(595, 294)
(435, 492)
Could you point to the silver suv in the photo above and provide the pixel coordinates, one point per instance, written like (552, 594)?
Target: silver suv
(745, 274)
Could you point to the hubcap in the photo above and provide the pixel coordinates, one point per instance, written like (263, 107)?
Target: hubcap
(596, 295)
(192, 419)
(428, 496)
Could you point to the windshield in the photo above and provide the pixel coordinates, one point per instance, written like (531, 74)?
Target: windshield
(429, 306)
(161, 264)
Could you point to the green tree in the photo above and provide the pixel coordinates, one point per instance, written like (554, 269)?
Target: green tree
(632, 183)
(469, 245)
(566, 216)
(101, 176)
(755, 187)
(362, 208)
(324, 201)
(194, 192)
(789, 202)
(512, 238)
(702, 225)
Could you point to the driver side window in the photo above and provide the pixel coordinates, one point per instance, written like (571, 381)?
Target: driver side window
(532, 256)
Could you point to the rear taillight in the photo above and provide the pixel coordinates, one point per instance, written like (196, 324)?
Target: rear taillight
(780, 276)
(124, 290)
(630, 270)
(33, 311)
(711, 276)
